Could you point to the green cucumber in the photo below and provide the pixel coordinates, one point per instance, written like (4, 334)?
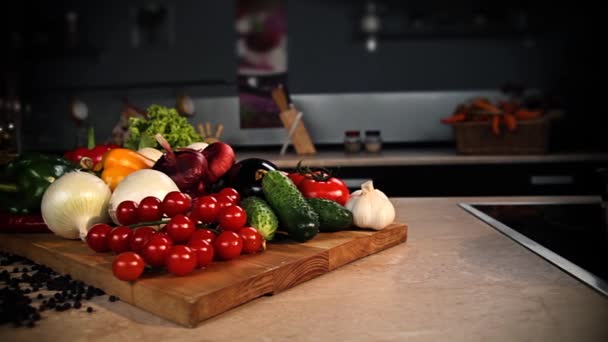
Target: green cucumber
(296, 216)
(332, 216)
(260, 216)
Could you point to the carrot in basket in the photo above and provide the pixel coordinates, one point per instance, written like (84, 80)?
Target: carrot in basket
(485, 105)
(510, 122)
(524, 114)
(458, 117)
(496, 124)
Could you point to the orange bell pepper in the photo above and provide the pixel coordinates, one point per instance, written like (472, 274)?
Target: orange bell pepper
(119, 163)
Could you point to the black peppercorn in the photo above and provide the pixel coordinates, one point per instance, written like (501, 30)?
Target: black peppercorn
(89, 309)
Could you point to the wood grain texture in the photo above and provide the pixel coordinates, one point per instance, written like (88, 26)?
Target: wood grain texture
(223, 285)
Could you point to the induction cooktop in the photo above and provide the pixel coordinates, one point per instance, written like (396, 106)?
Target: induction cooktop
(572, 236)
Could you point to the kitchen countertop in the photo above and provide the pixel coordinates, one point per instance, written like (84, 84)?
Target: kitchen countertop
(413, 156)
(456, 278)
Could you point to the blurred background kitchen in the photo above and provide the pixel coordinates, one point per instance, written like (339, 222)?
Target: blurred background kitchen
(397, 67)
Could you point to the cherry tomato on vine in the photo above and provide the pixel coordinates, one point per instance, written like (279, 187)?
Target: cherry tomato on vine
(325, 186)
(204, 234)
(156, 250)
(149, 209)
(203, 250)
(175, 203)
(126, 213)
(97, 237)
(232, 218)
(224, 201)
(252, 240)
(179, 228)
(228, 245)
(181, 260)
(205, 209)
(118, 239)
(232, 193)
(128, 266)
(139, 238)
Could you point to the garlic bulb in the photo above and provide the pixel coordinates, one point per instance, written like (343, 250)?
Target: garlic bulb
(73, 203)
(370, 207)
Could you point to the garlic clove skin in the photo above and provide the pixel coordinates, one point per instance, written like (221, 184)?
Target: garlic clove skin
(371, 208)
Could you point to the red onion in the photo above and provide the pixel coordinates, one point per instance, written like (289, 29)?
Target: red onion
(187, 167)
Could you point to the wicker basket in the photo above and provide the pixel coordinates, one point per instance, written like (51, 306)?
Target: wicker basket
(530, 137)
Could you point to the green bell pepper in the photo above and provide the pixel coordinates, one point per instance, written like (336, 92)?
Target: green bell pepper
(26, 178)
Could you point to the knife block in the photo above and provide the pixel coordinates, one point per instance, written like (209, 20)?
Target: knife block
(300, 138)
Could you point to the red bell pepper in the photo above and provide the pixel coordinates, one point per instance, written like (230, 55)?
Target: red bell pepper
(94, 152)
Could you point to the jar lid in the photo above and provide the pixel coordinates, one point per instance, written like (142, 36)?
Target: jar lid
(352, 133)
(372, 133)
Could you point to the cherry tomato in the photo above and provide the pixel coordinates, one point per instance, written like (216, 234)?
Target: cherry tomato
(126, 213)
(252, 240)
(156, 250)
(181, 260)
(205, 209)
(224, 201)
(232, 218)
(204, 234)
(203, 250)
(175, 203)
(118, 239)
(228, 245)
(149, 209)
(97, 237)
(128, 266)
(139, 238)
(232, 193)
(180, 228)
(327, 187)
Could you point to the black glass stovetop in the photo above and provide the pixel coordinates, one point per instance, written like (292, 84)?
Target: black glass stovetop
(576, 232)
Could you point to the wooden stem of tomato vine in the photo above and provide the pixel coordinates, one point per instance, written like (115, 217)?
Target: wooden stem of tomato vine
(161, 222)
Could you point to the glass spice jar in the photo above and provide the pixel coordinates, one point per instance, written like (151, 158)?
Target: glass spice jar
(373, 141)
(352, 141)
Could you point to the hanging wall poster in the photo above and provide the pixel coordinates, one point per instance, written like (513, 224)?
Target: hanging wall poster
(262, 60)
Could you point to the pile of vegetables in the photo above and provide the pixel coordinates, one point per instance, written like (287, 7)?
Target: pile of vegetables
(188, 204)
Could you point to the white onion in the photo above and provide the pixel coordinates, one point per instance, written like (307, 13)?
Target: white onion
(140, 184)
(199, 146)
(150, 153)
(75, 202)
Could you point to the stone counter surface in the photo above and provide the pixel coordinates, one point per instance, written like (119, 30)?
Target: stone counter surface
(414, 156)
(455, 279)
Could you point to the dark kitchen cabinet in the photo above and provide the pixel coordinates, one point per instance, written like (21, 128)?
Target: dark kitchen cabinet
(523, 179)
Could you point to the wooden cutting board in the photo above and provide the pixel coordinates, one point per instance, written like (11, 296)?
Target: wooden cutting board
(223, 285)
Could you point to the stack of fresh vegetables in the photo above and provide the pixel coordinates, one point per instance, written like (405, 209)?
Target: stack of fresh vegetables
(184, 206)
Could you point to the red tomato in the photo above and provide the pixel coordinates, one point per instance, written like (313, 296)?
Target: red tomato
(97, 237)
(228, 245)
(149, 209)
(181, 260)
(118, 239)
(252, 240)
(224, 201)
(175, 203)
(205, 209)
(180, 228)
(128, 266)
(203, 250)
(139, 238)
(203, 234)
(156, 250)
(332, 189)
(232, 193)
(126, 213)
(232, 218)
(296, 177)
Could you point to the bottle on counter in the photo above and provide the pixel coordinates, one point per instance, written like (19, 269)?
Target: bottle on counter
(352, 141)
(373, 141)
